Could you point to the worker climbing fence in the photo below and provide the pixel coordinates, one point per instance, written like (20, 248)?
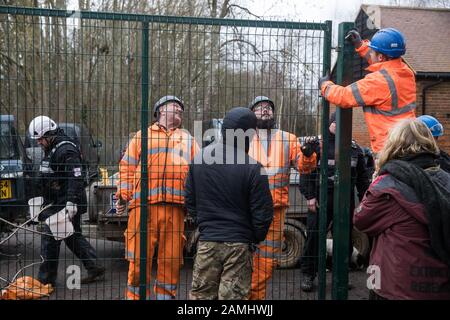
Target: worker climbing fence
(98, 75)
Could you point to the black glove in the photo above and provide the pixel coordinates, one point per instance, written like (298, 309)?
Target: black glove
(323, 79)
(355, 38)
(308, 148)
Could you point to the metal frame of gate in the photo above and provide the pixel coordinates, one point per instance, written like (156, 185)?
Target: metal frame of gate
(340, 274)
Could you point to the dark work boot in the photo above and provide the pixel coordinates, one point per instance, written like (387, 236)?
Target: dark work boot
(97, 274)
(307, 283)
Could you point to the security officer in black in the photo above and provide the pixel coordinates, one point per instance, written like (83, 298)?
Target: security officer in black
(61, 182)
(309, 187)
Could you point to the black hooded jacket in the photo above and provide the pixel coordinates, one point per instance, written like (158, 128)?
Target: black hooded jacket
(61, 173)
(229, 202)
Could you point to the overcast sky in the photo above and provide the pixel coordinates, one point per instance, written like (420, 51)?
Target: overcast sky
(310, 10)
(305, 10)
(302, 10)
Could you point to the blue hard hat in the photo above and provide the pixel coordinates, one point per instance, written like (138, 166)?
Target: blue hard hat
(389, 41)
(433, 124)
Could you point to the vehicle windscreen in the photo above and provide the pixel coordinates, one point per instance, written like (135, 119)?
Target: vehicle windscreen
(8, 144)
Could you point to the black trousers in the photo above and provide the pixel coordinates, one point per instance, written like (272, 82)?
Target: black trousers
(310, 258)
(50, 249)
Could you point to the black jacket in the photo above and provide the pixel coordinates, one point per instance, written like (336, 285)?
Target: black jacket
(229, 202)
(61, 173)
(310, 183)
(444, 161)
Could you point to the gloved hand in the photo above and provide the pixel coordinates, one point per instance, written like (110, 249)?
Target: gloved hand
(121, 206)
(188, 218)
(309, 146)
(323, 79)
(253, 247)
(355, 38)
(71, 209)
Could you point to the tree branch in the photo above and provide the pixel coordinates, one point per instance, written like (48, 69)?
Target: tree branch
(255, 50)
(244, 9)
(225, 9)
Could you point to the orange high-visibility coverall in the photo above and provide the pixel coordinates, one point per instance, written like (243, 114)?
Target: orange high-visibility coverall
(169, 155)
(387, 95)
(277, 157)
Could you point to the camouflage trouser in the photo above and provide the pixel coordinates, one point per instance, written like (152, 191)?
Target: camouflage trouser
(222, 270)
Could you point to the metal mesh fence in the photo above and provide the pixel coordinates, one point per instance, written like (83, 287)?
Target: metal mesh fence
(98, 75)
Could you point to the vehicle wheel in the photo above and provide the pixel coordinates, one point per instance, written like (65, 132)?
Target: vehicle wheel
(92, 203)
(292, 247)
(361, 242)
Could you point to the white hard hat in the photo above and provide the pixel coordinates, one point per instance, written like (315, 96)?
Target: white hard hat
(40, 125)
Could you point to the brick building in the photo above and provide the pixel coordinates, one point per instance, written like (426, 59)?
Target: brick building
(427, 33)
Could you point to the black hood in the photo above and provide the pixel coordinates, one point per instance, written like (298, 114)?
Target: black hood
(239, 118)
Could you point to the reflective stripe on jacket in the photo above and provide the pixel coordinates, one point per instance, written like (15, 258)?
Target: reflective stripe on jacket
(387, 95)
(277, 157)
(169, 156)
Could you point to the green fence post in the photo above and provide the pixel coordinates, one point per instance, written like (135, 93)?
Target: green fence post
(342, 187)
(144, 171)
(324, 170)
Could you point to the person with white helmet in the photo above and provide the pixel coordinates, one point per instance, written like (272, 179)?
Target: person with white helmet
(61, 183)
(437, 130)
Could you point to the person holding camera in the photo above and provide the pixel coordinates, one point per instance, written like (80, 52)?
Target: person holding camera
(278, 151)
(309, 187)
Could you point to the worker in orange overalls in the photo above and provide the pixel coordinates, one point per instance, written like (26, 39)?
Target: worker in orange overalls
(170, 150)
(388, 94)
(277, 151)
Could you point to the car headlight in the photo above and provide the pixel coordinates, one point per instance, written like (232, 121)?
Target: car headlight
(12, 175)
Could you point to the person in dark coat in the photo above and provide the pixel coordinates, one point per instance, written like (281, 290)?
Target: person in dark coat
(309, 187)
(61, 183)
(227, 195)
(406, 210)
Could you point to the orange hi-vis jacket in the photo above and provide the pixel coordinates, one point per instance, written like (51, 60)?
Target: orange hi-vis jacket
(387, 95)
(277, 158)
(169, 156)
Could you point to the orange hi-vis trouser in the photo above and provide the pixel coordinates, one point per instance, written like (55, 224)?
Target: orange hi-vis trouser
(165, 227)
(265, 258)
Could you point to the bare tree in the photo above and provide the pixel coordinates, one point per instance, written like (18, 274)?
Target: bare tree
(89, 71)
